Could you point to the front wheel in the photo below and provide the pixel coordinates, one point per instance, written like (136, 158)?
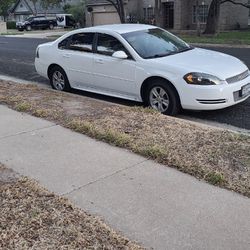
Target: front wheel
(51, 26)
(28, 28)
(162, 97)
(59, 79)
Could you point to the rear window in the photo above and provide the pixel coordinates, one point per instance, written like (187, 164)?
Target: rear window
(64, 43)
(82, 42)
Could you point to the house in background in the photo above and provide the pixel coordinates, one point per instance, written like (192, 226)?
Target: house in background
(101, 12)
(183, 14)
(25, 8)
(177, 14)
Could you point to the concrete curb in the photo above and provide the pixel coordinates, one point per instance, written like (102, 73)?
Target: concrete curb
(238, 46)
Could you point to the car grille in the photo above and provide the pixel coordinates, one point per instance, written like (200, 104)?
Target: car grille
(238, 78)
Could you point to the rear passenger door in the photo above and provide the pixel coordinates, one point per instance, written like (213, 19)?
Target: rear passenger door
(43, 23)
(35, 23)
(76, 58)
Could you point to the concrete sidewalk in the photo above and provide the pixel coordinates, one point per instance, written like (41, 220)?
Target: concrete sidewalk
(155, 205)
(40, 34)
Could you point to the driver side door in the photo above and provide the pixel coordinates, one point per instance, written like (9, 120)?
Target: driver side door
(113, 75)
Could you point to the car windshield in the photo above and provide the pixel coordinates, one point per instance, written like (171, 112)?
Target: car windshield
(153, 43)
(29, 19)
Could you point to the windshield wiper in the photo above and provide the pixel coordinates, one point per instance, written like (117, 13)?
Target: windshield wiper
(169, 53)
(158, 55)
(186, 49)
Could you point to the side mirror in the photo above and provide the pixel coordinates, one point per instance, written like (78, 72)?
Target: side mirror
(120, 55)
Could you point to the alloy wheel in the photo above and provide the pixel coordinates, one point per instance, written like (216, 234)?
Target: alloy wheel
(159, 99)
(58, 80)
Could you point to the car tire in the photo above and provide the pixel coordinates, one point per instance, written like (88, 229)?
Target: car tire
(28, 28)
(58, 79)
(162, 96)
(51, 26)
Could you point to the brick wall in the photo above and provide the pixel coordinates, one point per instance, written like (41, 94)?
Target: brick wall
(232, 16)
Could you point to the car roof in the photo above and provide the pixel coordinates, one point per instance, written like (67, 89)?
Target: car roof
(119, 28)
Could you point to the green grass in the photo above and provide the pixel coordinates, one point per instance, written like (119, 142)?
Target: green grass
(53, 37)
(232, 37)
(11, 33)
(215, 178)
(111, 136)
(23, 106)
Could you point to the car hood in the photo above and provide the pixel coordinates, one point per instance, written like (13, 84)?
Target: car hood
(22, 22)
(205, 61)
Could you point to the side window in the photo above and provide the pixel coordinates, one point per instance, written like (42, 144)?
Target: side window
(107, 45)
(82, 42)
(63, 44)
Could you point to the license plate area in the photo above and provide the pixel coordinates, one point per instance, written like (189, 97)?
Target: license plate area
(245, 90)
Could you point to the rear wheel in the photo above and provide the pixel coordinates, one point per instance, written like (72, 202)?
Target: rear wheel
(161, 96)
(51, 26)
(59, 79)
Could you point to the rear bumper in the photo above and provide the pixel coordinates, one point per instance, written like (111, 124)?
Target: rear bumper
(213, 97)
(41, 68)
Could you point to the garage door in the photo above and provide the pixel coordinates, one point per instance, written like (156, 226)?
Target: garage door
(101, 18)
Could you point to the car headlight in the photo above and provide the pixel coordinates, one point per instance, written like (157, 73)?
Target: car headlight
(202, 79)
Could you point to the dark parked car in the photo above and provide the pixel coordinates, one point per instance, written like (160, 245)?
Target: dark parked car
(37, 22)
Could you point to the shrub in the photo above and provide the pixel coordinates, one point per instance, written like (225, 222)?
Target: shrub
(11, 25)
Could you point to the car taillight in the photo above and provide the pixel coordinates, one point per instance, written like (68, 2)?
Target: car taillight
(37, 53)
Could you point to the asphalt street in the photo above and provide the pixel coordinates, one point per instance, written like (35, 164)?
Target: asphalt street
(17, 60)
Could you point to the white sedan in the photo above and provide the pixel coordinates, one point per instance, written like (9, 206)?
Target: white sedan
(146, 64)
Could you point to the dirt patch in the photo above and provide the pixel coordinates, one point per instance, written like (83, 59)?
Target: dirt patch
(217, 156)
(7, 175)
(33, 218)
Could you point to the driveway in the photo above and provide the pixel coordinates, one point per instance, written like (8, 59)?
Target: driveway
(17, 60)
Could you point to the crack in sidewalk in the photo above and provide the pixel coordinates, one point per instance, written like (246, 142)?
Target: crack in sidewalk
(26, 132)
(105, 177)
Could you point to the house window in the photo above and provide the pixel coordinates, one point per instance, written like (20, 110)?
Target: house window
(200, 12)
(148, 14)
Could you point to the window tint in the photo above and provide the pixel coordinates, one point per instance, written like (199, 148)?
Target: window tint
(63, 44)
(82, 42)
(107, 45)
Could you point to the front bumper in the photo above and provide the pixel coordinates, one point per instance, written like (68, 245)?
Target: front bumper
(20, 27)
(213, 97)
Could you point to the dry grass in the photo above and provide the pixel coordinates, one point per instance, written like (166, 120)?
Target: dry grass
(33, 218)
(217, 156)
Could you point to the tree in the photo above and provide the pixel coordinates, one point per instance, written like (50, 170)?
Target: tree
(119, 6)
(5, 6)
(214, 14)
(46, 4)
(77, 11)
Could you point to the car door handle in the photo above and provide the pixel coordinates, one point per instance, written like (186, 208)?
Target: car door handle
(66, 55)
(100, 61)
